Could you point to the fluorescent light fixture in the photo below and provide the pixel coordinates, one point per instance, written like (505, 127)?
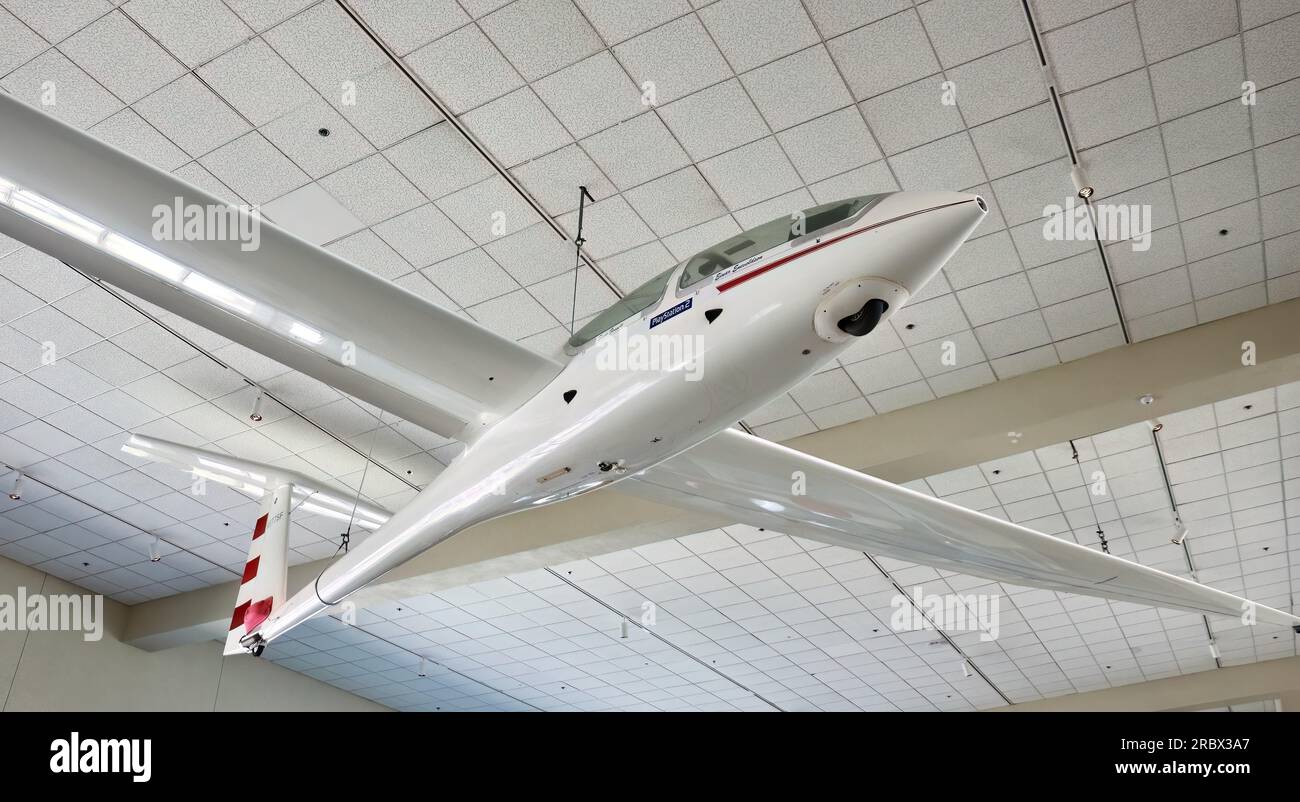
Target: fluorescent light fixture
(59, 218)
(306, 333)
(136, 254)
(220, 293)
(6, 187)
(136, 452)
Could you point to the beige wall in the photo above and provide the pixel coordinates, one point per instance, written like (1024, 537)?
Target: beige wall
(61, 671)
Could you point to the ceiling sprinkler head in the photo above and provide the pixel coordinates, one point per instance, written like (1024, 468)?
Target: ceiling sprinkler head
(16, 494)
(256, 415)
(1147, 400)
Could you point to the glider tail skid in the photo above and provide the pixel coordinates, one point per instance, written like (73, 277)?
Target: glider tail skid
(263, 587)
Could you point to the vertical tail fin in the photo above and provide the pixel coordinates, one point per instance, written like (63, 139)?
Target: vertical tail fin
(266, 574)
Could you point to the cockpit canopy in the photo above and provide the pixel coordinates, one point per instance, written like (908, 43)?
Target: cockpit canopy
(757, 240)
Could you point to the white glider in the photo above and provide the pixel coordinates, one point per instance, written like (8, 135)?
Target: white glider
(733, 327)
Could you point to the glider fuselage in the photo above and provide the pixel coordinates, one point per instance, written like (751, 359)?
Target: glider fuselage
(688, 365)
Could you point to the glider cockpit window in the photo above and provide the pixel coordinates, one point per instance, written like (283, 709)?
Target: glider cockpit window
(634, 303)
(771, 234)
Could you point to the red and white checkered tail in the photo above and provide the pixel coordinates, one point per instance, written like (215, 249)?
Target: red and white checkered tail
(262, 590)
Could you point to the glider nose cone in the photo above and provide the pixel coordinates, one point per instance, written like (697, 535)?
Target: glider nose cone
(926, 229)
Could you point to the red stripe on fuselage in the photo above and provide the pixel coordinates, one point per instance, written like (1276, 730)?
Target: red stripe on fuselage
(758, 271)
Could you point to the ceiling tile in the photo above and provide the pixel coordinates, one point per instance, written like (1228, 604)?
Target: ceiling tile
(327, 48)
(192, 116)
(127, 131)
(439, 161)
(1207, 136)
(385, 106)
(470, 278)
(884, 55)
(121, 57)
(1068, 278)
(997, 299)
(1126, 163)
(610, 226)
(254, 168)
(751, 33)
(515, 315)
(541, 36)
(617, 20)
(673, 60)
(488, 210)
(407, 24)
(21, 42)
(423, 236)
(963, 31)
(1215, 186)
(797, 88)
(1019, 141)
(1278, 165)
(636, 151)
(298, 135)
(1229, 271)
(310, 213)
(1170, 27)
(1276, 113)
(256, 81)
(1094, 49)
(56, 86)
(517, 127)
(675, 201)
(372, 189)
(948, 163)
(752, 173)
(533, 254)
(57, 19)
(911, 115)
(1015, 335)
(829, 145)
(982, 260)
(464, 69)
(193, 30)
(262, 14)
(1081, 315)
(1221, 232)
(553, 179)
(998, 84)
(834, 17)
(1155, 293)
(717, 119)
(591, 95)
(1198, 79)
(1110, 110)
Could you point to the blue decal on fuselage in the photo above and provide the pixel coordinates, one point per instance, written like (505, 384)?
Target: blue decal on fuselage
(669, 314)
